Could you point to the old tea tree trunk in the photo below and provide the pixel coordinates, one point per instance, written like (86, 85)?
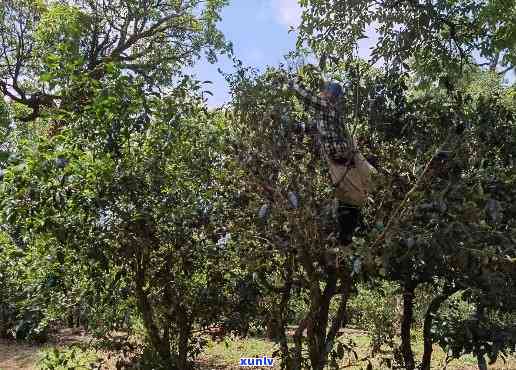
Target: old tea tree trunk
(321, 334)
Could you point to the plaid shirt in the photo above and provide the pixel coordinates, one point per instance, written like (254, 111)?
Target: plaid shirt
(334, 136)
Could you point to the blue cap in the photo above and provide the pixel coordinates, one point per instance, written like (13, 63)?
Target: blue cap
(334, 89)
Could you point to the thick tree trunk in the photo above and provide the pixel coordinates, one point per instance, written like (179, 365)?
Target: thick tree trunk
(319, 339)
(276, 324)
(319, 307)
(427, 327)
(298, 342)
(316, 341)
(282, 319)
(341, 318)
(184, 336)
(160, 345)
(316, 331)
(406, 323)
(272, 329)
(4, 321)
(481, 360)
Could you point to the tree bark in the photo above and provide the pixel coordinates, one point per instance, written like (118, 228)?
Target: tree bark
(185, 330)
(272, 331)
(162, 347)
(319, 307)
(406, 323)
(427, 326)
(298, 342)
(282, 316)
(482, 365)
(341, 318)
(481, 360)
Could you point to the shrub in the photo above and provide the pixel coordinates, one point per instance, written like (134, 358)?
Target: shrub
(70, 358)
(374, 309)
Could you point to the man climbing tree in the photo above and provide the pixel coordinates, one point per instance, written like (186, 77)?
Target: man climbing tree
(350, 172)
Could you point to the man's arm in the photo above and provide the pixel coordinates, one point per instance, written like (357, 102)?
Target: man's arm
(312, 100)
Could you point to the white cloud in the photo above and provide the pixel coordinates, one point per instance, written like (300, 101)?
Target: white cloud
(287, 12)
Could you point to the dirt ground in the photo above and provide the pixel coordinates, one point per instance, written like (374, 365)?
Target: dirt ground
(218, 355)
(15, 356)
(18, 356)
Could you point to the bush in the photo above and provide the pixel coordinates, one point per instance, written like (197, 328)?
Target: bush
(34, 288)
(298, 307)
(21, 315)
(70, 358)
(374, 309)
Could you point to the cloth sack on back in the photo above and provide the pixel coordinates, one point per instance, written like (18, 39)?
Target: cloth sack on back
(353, 181)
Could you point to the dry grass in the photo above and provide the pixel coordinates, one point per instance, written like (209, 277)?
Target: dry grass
(226, 355)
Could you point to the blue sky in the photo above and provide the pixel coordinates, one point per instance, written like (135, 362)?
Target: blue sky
(259, 32)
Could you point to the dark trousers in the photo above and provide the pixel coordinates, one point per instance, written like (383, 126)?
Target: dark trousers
(349, 218)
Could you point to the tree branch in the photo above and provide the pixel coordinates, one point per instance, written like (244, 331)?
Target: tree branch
(406, 323)
(157, 27)
(427, 327)
(502, 72)
(341, 319)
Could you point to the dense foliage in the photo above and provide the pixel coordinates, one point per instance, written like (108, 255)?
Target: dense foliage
(439, 36)
(444, 209)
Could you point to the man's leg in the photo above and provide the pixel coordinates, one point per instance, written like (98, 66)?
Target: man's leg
(348, 219)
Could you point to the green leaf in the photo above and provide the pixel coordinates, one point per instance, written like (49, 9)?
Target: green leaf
(19, 168)
(45, 77)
